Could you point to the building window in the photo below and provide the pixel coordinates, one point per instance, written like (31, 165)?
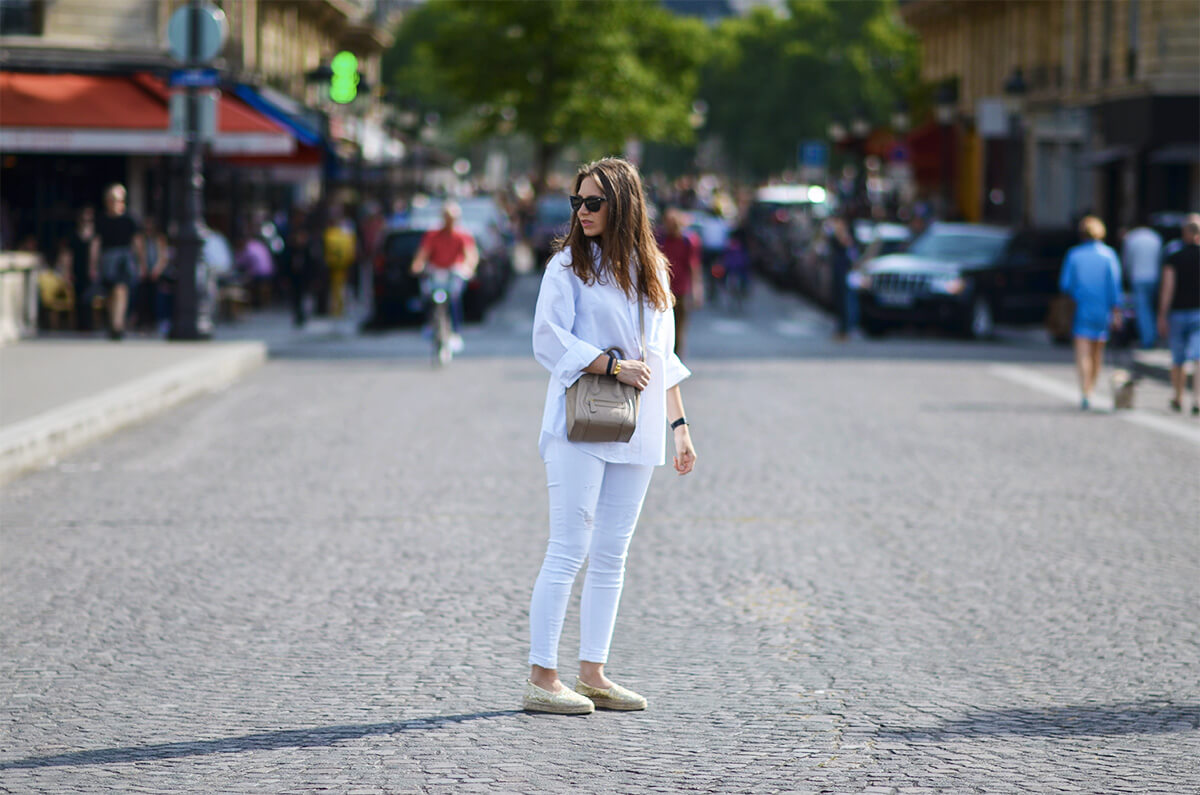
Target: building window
(1133, 43)
(21, 17)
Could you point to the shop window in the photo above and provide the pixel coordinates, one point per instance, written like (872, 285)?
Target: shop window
(22, 17)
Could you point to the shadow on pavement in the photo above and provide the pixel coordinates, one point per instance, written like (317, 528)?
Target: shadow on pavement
(1078, 721)
(290, 738)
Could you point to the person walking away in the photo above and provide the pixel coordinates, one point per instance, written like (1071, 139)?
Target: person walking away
(117, 256)
(1091, 276)
(682, 251)
(608, 271)
(80, 247)
(1179, 312)
(1141, 254)
(453, 249)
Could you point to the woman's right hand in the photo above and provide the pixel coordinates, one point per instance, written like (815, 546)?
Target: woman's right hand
(635, 373)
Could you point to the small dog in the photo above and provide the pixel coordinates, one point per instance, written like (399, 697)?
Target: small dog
(1122, 387)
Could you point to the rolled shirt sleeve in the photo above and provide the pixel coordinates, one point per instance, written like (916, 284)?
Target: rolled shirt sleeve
(554, 344)
(674, 370)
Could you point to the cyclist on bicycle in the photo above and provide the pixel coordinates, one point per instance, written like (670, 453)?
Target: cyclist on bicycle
(453, 249)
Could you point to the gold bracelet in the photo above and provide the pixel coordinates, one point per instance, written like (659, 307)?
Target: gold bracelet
(616, 368)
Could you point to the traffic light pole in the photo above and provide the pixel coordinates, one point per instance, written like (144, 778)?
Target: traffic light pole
(184, 318)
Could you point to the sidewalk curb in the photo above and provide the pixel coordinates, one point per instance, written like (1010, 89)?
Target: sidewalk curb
(43, 439)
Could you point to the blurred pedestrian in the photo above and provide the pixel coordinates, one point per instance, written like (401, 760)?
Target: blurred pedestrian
(254, 261)
(607, 269)
(302, 258)
(682, 250)
(735, 268)
(79, 245)
(1091, 276)
(117, 256)
(150, 308)
(340, 252)
(1179, 312)
(1141, 253)
(842, 254)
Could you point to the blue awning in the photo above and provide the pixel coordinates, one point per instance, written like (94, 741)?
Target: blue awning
(302, 122)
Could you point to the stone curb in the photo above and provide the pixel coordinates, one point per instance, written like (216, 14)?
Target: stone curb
(43, 439)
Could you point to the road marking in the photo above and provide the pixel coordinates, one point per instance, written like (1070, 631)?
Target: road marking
(802, 328)
(1070, 393)
(724, 326)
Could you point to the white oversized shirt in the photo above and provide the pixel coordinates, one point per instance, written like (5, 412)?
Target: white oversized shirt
(573, 324)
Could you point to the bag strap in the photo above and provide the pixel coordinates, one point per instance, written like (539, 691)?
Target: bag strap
(642, 328)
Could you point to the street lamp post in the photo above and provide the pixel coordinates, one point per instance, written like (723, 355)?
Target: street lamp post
(184, 315)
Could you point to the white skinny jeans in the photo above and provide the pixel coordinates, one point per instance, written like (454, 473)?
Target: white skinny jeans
(594, 507)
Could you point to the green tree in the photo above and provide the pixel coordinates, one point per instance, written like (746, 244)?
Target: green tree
(774, 80)
(558, 71)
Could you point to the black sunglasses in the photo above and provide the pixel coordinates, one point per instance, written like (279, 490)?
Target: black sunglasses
(591, 202)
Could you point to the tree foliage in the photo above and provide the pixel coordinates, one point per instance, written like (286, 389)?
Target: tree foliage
(775, 80)
(599, 72)
(559, 71)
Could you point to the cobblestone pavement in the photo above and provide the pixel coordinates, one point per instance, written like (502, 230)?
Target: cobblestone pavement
(886, 576)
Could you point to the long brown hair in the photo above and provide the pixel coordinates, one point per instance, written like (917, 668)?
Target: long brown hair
(627, 236)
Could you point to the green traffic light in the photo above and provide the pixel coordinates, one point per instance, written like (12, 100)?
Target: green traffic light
(343, 86)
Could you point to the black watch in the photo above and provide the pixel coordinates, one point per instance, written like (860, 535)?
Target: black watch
(678, 422)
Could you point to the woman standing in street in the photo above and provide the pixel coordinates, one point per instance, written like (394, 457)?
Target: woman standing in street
(1091, 275)
(589, 299)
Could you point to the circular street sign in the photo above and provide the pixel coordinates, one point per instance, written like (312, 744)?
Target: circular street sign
(213, 32)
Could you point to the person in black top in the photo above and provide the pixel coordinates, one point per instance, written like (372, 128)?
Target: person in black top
(1179, 311)
(118, 256)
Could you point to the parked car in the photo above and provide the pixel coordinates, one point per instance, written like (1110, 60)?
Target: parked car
(783, 221)
(551, 218)
(965, 278)
(396, 291)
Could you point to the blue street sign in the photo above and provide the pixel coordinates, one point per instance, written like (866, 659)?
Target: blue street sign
(814, 154)
(201, 78)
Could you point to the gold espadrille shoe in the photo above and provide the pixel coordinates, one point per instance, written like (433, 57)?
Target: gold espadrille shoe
(564, 702)
(615, 697)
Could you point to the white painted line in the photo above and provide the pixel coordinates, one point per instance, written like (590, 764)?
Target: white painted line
(723, 326)
(1070, 393)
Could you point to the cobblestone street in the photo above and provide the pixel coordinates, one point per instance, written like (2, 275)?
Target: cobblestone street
(887, 575)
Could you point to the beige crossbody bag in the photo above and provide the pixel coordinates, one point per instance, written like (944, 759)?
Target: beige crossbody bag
(599, 407)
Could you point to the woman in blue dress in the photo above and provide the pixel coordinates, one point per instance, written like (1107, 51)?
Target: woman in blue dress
(1091, 275)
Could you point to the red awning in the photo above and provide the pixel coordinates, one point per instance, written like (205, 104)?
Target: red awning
(82, 113)
(74, 113)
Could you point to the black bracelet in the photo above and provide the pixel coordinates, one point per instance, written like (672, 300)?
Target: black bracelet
(612, 360)
(678, 422)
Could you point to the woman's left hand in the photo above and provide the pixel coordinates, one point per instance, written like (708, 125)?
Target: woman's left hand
(685, 453)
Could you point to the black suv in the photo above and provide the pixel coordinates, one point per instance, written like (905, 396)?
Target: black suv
(965, 278)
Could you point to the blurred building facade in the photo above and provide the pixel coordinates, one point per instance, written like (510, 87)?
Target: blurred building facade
(1060, 107)
(85, 100)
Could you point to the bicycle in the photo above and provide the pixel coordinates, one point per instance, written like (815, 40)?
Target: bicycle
(437, 285)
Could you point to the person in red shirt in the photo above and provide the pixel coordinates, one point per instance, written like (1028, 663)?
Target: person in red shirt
(682, 249)
(454, 249)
